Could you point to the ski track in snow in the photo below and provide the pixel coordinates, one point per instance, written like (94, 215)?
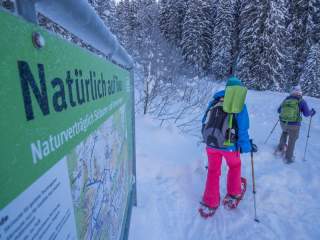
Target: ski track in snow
(171, 177)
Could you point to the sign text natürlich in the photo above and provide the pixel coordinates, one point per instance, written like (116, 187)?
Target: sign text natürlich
(73, 91)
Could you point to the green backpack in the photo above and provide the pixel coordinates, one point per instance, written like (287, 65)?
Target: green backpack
(290, 111)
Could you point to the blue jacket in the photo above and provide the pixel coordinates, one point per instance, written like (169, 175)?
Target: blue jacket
(303, 107)
(242, 118)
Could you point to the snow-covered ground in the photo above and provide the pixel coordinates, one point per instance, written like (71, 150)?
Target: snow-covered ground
(171, 177)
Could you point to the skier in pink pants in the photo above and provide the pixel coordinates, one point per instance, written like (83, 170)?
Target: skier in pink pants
(214, 131)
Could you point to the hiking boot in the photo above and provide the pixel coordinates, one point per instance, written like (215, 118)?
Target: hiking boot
(206, 211)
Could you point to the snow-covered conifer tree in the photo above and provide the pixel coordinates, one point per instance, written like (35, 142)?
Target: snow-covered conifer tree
(272, 56)
(197, 33)
(222, 43)
(126, 24)
(172, 13)
(310, 78)
(296, 43)
(313, 22)
(250, 44)
(106, 9)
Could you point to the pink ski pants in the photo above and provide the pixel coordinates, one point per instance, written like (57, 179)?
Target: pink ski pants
(211, 196)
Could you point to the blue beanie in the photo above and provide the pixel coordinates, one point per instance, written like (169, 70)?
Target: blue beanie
(234, 81)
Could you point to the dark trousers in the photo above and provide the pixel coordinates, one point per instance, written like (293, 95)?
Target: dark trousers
(291, 132)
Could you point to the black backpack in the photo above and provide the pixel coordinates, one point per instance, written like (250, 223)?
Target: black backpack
(215, 131)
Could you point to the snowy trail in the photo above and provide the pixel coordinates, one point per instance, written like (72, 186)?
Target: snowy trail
(171, 177)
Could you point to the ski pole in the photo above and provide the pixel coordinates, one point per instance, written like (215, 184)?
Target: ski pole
(271, 132)
(305, 150)
(253, 187)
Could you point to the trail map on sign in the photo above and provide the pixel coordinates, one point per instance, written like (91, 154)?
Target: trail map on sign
(98, 184)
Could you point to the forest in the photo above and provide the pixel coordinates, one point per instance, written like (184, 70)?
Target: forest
(180, 46)
(268, 44)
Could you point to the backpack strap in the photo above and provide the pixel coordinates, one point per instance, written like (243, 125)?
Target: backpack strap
(210, 105)
(299, 102)
(230, 125)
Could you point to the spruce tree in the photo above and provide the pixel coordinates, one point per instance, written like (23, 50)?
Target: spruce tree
(313, 22)
(297, 41)
(106, 9)
(273, 59)
(222, 60)
(251, 19)
(172, 13)
(197, 33)
(310, 78)
(126, 24)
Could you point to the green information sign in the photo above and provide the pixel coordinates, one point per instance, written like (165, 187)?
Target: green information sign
(66, 142)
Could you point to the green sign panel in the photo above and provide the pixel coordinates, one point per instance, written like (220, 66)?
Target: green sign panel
(66, 142)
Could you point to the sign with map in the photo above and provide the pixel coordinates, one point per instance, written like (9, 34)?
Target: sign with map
(67, 139)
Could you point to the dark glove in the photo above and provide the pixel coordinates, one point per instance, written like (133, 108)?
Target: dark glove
(313, 112)
(254, 148)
